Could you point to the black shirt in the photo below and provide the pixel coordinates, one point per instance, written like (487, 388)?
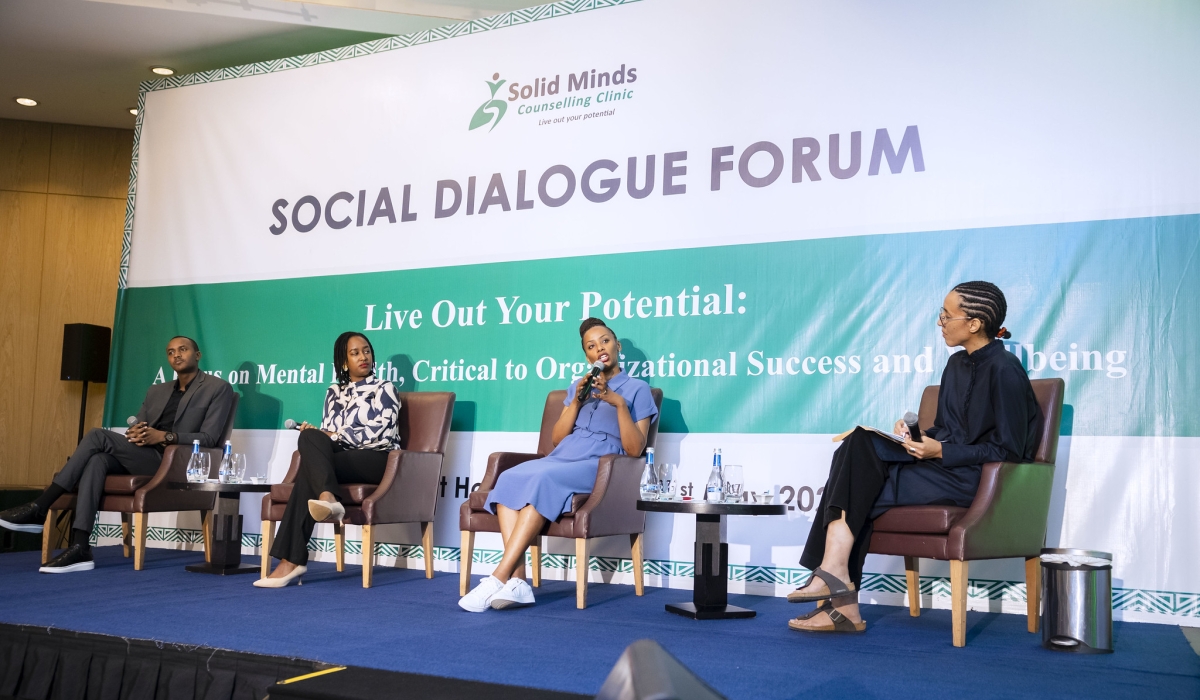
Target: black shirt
(166, 422)
(986, 411)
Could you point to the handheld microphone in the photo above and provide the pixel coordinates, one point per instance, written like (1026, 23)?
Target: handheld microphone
(597, 368)
(290, 424)
(914, 430)
(131, 421)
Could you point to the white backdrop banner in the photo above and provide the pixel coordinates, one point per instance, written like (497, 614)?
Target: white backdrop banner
(766, 201)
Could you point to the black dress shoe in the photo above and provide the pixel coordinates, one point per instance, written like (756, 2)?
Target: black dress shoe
(26, 518)
(77, 557)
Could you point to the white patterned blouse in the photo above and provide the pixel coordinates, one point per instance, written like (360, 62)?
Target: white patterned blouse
(363, 415)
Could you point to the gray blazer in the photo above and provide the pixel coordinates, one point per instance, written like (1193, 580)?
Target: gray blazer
(203, 411)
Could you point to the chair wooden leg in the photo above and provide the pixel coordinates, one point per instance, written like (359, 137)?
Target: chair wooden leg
(427, 547)
(206, 533)
(47, 533)
(368, 555)
(268, 538)
(535, 562)
(139, 535)
(125, 531)
(125, 536)
(465, 553)
(339, 546)
(1033, 591)
(639, 574)
(958, 601)
(581, 572)
(912, 572)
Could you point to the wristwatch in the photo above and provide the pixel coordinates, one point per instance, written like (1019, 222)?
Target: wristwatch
(170, 438)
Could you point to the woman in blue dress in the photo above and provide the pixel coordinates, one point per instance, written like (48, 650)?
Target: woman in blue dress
(612, 415)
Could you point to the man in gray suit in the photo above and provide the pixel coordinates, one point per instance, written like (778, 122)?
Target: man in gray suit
(193, 407)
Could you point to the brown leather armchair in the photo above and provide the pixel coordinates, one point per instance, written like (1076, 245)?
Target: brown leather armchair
(610, 509)
(1007, 519)
(138, 496)
(407, 493)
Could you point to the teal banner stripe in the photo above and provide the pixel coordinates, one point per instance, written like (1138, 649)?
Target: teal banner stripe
(807, 336)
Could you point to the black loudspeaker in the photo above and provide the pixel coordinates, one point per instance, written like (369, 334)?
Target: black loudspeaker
(85, 359)
(647, 672)
(85, 353)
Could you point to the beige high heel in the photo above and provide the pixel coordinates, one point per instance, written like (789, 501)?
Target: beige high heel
(321, 511)
(283, 581)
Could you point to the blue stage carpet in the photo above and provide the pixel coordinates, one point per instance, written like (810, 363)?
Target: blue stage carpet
(408, 623)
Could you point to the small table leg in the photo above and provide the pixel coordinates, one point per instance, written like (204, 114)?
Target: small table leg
(710, 599)
(226, 540)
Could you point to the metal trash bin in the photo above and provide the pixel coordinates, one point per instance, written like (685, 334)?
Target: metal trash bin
(1077, 603)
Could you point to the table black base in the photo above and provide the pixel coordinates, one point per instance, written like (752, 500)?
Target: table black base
(207, 568)
(729, 612)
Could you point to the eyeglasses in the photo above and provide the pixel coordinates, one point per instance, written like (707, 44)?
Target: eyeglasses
(943, 318)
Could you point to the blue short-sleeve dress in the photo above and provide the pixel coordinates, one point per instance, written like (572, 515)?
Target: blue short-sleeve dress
(549, 483)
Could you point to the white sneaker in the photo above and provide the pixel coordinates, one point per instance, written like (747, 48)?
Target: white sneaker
(480, 596)
(515, 594)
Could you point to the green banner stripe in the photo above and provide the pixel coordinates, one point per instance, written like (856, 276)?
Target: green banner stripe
(807, 336)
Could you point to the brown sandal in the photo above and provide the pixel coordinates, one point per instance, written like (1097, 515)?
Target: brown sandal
(834, 586)
(841, 623)
(821, 607)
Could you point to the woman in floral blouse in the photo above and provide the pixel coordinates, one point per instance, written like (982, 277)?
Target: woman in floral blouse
(358, 429)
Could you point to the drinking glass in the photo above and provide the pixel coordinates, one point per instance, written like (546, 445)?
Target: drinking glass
(733, 483)
(239, 468)
(258, 475)
(666, 481)
(205, 465)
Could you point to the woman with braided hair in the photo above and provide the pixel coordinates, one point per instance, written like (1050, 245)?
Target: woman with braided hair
(986, 412)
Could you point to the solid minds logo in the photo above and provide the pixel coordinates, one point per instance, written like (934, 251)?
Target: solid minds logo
(541, 94)
(492, 111)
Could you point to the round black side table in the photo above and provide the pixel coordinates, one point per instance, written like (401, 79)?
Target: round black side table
(226, 536)
(710, 598)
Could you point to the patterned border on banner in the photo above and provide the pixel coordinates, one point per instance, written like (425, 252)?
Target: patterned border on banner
(1125, 599)
(392, 43)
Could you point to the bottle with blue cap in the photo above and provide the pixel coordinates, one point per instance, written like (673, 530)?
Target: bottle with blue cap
(649, 480)
(226, 464)
(715, 490)
(193, 466)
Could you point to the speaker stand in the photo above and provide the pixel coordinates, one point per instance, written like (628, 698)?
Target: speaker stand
(82, 412)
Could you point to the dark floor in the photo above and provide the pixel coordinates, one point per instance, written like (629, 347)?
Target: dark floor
(408, 623)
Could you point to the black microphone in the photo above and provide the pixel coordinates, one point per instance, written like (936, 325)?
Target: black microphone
(597, 368)
(914, 430)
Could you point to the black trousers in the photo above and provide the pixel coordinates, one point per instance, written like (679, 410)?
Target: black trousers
(864, 485)
(101, 453)
(323, 465)
(856, 478)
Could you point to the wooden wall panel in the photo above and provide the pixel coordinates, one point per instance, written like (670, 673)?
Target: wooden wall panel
(62, 211)
(79, 285)
(90, 161)
(22, 228)
(24, 155)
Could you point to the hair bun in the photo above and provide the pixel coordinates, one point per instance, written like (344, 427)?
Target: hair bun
(1003, 334)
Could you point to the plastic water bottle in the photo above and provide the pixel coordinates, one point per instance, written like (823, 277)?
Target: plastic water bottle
(226, 468)
(714, 491)
(193, 467)
(649, 480)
